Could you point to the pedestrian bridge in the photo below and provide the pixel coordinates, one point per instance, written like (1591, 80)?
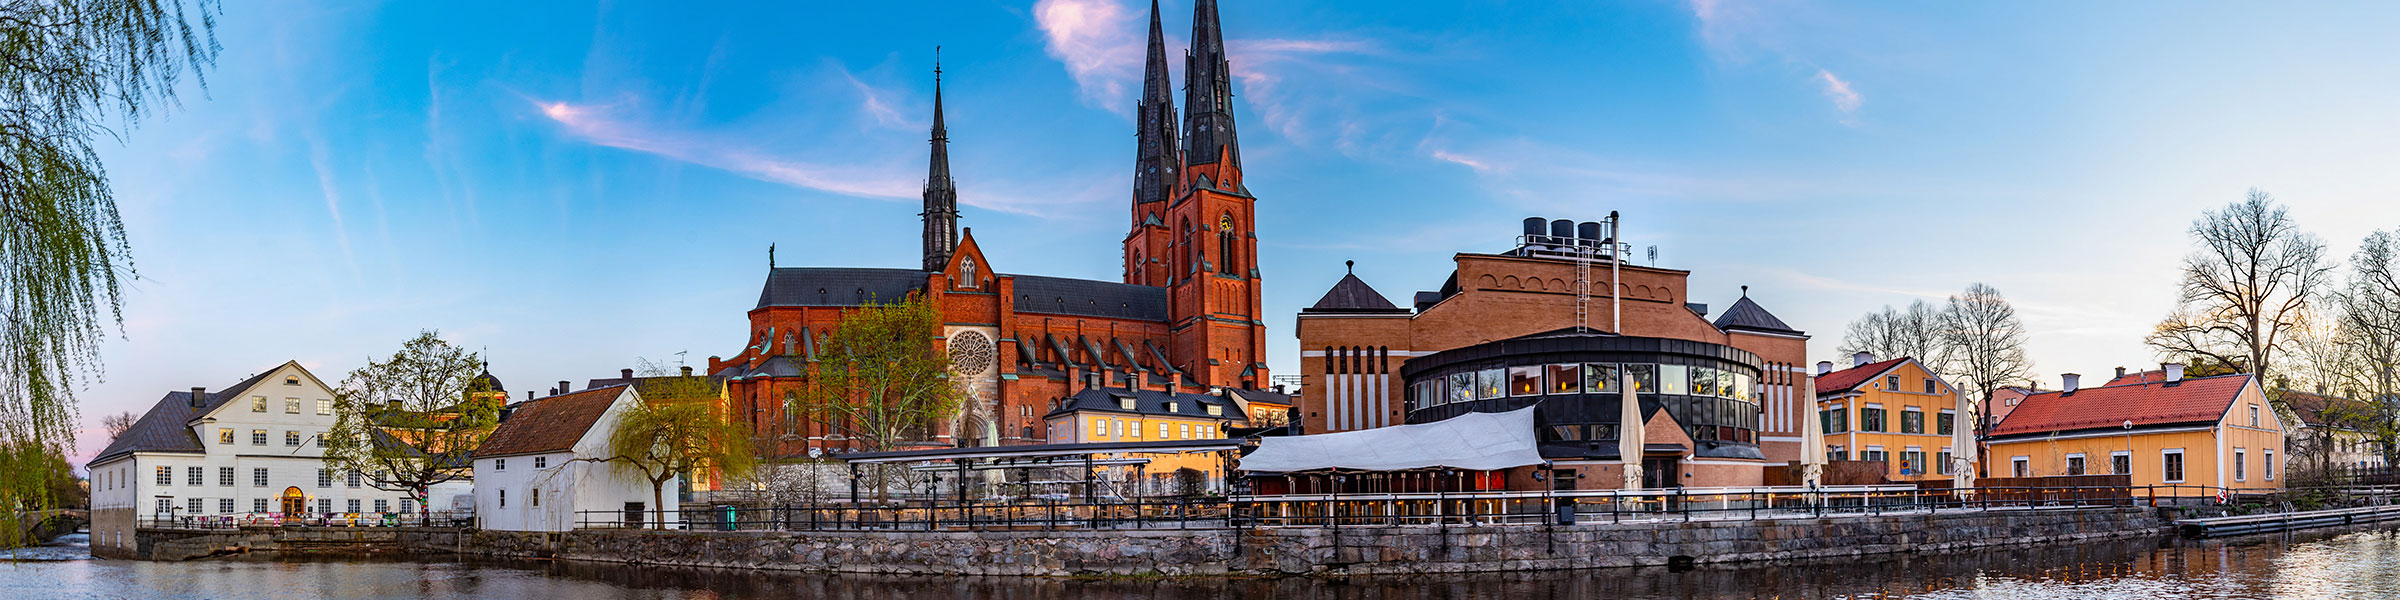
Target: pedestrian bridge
(42, 526)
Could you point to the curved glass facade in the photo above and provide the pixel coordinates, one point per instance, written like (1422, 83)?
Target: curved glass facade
(1575, 379)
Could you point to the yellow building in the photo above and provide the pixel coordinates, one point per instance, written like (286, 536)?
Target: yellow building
(1121, 415)
(2201, 434)
(1893, 411)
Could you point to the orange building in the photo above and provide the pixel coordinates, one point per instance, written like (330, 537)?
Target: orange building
(2208, 433)
(1186, 318)
(1562, 281)
(1893, 412)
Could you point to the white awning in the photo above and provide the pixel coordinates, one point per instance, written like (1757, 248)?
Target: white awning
(1473, 441)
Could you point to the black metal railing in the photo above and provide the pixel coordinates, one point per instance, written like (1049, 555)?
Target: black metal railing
(238, 521)
(1415, 509)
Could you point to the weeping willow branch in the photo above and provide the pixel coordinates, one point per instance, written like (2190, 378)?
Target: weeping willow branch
(67, 68)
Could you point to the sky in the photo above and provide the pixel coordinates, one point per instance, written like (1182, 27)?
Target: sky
(568, 187)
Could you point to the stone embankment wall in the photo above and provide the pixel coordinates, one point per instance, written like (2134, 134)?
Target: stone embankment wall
(180, 544)
(1312, 550)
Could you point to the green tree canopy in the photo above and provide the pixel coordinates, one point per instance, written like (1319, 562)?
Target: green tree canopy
(412, 421)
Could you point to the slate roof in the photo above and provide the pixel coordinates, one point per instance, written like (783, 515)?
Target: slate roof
(1748, 315)
(167, 426)
(1267, 396)
(1148, 402)
(550, 424)
(656, 387)
(2197, 400)
(1089, 298)
(837, 286)
(1352, 295)
(2311, 408)
(1846, 380)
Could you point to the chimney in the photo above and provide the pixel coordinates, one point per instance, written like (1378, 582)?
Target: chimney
(626, 374)
(687, 371)
(1861, 359)
(2174, 372)
(1279, 388)
(1091, 378)
(1824, 366)
(563, 387)
(2120, 372)
(2070, 381)
(199, 397)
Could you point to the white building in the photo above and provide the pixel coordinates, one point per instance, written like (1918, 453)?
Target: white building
(529, 478)
(251, 450)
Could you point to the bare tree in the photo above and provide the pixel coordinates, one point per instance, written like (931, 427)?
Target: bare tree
(116, 424)
(1892, 333)
(2246, 289)
(1984, 340)
(2368, 339)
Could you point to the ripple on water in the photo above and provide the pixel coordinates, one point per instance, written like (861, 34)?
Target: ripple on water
(2325, 565)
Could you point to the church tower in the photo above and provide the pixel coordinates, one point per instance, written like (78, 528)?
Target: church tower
(1214, 297)
(941, 195)
(1157, 160)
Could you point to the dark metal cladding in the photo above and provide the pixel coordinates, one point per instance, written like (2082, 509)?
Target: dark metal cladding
(941, 195)
(1208, 93)
(1155, 158)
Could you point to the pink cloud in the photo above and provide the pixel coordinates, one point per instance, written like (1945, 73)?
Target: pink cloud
(595, 124)
(1100, 43)
(1840, 93)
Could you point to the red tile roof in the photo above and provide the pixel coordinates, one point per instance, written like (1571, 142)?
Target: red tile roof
(550, 424)
(1845, 380)
(2191, 400)
(2142, 377)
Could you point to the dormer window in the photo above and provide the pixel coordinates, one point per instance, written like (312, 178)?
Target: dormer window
(1171, 407)
(1125, 402)
(1216, 410)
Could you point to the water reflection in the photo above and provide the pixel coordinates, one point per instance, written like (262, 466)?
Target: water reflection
(2324, 565)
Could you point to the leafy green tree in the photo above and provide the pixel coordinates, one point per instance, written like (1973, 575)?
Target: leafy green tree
(411, 422)
(67, 67)
(660, 440)
(879, 378)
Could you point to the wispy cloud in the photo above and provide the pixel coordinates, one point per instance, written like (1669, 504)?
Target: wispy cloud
(1471, 162)
(320, 159)
(596, 124)
(1100, 43)
(1299, 113)
(878, 104)
(1844, 98)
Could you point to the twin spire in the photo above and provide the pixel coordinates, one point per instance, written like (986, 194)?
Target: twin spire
(1208, 133)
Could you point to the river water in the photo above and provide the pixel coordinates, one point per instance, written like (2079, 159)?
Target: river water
(2353, 564)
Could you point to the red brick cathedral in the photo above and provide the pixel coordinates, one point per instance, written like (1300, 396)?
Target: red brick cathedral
(1186, 318)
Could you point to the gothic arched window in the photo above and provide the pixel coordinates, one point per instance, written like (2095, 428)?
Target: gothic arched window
(1191, 253)
(791, 412)
(966, 271)
(1225, 244)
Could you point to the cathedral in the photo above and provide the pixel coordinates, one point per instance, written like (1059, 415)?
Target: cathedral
(1186, 319)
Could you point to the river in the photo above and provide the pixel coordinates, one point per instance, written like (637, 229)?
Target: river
(2354, 564)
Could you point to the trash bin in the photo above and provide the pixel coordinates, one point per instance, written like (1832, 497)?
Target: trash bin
(1566, 512)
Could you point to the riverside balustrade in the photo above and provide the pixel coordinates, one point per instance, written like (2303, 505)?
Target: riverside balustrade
(1412, 509)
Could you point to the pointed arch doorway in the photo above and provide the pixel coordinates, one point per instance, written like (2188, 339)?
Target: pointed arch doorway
(293, 502)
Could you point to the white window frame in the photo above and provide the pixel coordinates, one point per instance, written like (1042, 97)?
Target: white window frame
(2270, 462)
(2020, 466)
(2112, 461)
(2072, 458)
(2241, 464)
(2254, 415)
(2180, 458)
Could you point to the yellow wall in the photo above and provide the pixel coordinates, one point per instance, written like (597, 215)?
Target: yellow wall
(1090, 427)
(2201, 449)
(1911, 394)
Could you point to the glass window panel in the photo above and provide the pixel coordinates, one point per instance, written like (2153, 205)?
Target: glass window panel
(1566, 378)
(1725, 385)
(1645, 378)
(1524, 381)
(1604, 432)
(1462, 387)
(1704, 381)
(1491, 383)
(1745, 387)
(1600, 378)
(1566, 433)
(1674, 379)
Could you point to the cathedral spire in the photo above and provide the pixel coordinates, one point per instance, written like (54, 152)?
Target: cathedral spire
(1154, 124)
(941, 195)
(1208, 93)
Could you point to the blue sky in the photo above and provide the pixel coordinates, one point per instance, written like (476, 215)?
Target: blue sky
(570, 187)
